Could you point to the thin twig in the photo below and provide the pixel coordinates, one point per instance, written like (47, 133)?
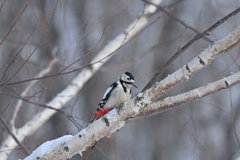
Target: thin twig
(15, 21)
(17, 54)
(6, 107)
(90, 64)
(14, 137)
(176, 19)
(30, 85)
(2, 5)
(34, 49)
(124, 42)
(48, 107)
(88, 153)
(233, 119)
(88, 51)
(186, 46)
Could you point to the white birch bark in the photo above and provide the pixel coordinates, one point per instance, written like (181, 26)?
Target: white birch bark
(112, 122)
(143, 105)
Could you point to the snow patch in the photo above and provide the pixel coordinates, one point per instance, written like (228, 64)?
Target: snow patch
(139, 104)
(82, 132)
(46, 147)
(111, 114)
(146, 99)
(139, 95)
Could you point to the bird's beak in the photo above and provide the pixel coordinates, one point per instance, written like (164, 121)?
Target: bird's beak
(134, 85)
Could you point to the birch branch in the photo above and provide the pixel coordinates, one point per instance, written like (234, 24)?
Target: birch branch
(187, 71)
(72, 89)
(142, 104)
(172, 102)
(186, 46)
(116, 119)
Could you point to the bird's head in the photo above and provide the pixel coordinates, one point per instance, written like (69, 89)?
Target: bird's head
(128, 79)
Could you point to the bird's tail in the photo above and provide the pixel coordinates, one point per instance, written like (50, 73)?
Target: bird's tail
(100, 113)
(93, 119)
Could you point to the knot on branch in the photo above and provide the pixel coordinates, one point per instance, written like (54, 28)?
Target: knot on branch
(226, 83)
(139, 101)
(201, 61)
(82, 133)
(65, 146)
(105, 120)
(119, 108)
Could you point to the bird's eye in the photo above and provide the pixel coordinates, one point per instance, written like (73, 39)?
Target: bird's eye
(128, 78)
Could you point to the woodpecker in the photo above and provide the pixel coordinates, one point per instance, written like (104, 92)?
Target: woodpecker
(116, 94)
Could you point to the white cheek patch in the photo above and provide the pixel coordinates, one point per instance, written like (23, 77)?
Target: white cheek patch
(124, 77)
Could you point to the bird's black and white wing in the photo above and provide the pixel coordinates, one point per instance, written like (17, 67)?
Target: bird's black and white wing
(106, 96)
(104, 99)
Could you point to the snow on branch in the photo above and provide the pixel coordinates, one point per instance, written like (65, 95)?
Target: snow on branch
(142, 104)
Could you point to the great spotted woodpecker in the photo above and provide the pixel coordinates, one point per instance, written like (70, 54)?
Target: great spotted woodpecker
(116, 94)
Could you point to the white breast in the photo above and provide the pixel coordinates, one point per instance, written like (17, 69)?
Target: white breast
(118, 96)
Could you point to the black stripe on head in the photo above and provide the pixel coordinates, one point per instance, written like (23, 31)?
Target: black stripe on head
(129, 74)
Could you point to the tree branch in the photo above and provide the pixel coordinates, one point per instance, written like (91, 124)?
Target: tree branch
(31, 84)
(142, 104)
(116, 119)
(11, 29)
(14, 137)
(34, 49)
(187, 71)
(172, 102)
(177, 19)
(186, 46)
